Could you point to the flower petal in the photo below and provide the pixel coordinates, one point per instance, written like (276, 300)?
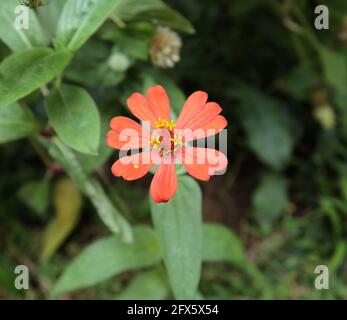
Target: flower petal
(129, 127)
(164, 183)
(127, 134)
(122, 142)
(207, 114)
(132, 167)
(139, 107)
(202, 163)
(158, 101)
(193, 105)
(209, 129)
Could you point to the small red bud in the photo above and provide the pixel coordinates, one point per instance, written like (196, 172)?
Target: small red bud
(56, 168)
(47, 132)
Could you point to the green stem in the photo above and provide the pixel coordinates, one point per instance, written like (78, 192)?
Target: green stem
(303, 29)
(117, 21)
(115, 195)
(44, 90)
(58, 80)
(306, 29)
(40, 151)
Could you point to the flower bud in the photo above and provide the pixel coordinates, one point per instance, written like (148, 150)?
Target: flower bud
(118, 62)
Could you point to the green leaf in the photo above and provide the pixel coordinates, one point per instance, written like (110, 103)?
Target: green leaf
(108, 257)
(35, 194)
(49, 16)
(92, 188)
(7, 278)
(153, 10)
(170, 18)
(270, 128)
(301, 80)
(180, 170)
(179, 226)
(134, 44)
(149, 285)
(335, 69)
(25, 71)
(19, 39)
(16, 122)
(90, 66)
(67, 201)
(80, 19)
(270, 198)
(221, 244)
(133, 40)
(75, 117)
(91, 163)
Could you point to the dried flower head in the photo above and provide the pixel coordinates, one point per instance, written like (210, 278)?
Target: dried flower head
(33, 3)
(165, 48)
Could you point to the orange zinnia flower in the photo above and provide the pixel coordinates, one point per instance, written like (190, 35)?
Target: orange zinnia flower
(165, 140)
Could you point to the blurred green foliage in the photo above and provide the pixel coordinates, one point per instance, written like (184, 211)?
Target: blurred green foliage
(283, 201)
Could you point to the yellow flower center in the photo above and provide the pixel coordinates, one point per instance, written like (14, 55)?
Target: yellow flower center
(165, 143)
(155, 141)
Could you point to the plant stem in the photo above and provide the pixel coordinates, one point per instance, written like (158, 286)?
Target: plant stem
(117, 21)
(58, 80)
(116, 197)
(44, 90)
(41, 152)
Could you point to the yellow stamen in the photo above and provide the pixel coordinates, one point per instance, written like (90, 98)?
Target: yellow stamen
(170, 125)
(136, 166)
(163, 123)
(155, 141)
(160, 123)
